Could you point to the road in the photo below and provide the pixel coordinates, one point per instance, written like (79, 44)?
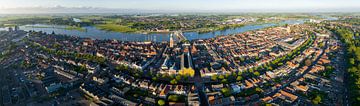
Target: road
(342, 67)
(200, 86)
(198, 80)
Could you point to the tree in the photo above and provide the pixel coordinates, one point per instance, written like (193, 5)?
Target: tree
(257, 89)
(80, 69)
(329, 68)
(239, 73)
(178, 77)
(317, 100)
(226, 92)
(256, 73)
(321, 45)
(121, 67)
(224, 81)
(173, 82)
(242, 59)
(233, 74)
(161, 102)
(251, 70)
(352, 61)
(154, 78)
(185, 77)
(353, 56)
(214, 77)
(239, 78)
(173, 98)
(221, 77)
(257, 58)
(227, 75)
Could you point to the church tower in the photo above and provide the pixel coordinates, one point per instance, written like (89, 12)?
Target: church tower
(171, 41)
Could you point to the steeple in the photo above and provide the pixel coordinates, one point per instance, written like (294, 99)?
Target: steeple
(171, 41)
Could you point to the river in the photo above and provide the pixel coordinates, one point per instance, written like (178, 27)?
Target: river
(94, 33)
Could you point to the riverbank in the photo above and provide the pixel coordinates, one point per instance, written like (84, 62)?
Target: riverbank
(96, 33)
(126, 29)
(65, 27)
(75, 28)
(116, 28)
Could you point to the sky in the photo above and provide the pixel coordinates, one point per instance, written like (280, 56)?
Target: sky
(269, 5)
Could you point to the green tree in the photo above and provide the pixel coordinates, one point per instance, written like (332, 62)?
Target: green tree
(226, 92)
(161, 102)
(173, 98)
(173, 82)
(214, 77)
(154, 78)
(316, 100)
(242, 59)
(227, 75)
(257, 58)
(251, 70)
(239, 78)
(178, 77)
(224, 81)
(257, 89)
(352, 61)
(239, 73)
(221, 77)
(256, 73)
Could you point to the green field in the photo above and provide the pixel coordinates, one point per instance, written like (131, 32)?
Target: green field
(115, 28)
(74, 28)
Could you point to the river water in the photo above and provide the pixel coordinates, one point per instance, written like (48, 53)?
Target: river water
(94, 33)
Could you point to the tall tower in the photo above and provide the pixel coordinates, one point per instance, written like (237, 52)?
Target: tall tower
(288, 29)
(171, 41)
(16, 28)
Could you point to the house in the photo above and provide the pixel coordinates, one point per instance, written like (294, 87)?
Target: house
(101, 80)
(122, 101)
(53, 87)
(176, 104)
(150, 100)
(193, 99)
(217, 87)
(288, 96)
(267, 99)
(302, 88)
(164, 91)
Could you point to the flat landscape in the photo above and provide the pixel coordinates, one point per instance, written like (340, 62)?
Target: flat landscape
(150, 56)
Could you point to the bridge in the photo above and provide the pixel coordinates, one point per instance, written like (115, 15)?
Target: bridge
(180, 35)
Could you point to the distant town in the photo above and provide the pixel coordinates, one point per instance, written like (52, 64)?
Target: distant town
(280, 59)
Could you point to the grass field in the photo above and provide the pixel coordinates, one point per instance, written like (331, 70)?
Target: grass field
(74, 28)
(57, 27)
(115, 28)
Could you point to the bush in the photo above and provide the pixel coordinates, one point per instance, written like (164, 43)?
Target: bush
(173, 98)
(173, 82)
(226, 92)
(161, 102)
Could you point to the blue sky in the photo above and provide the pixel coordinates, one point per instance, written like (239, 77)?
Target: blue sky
(185, 4)
(115, 6)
